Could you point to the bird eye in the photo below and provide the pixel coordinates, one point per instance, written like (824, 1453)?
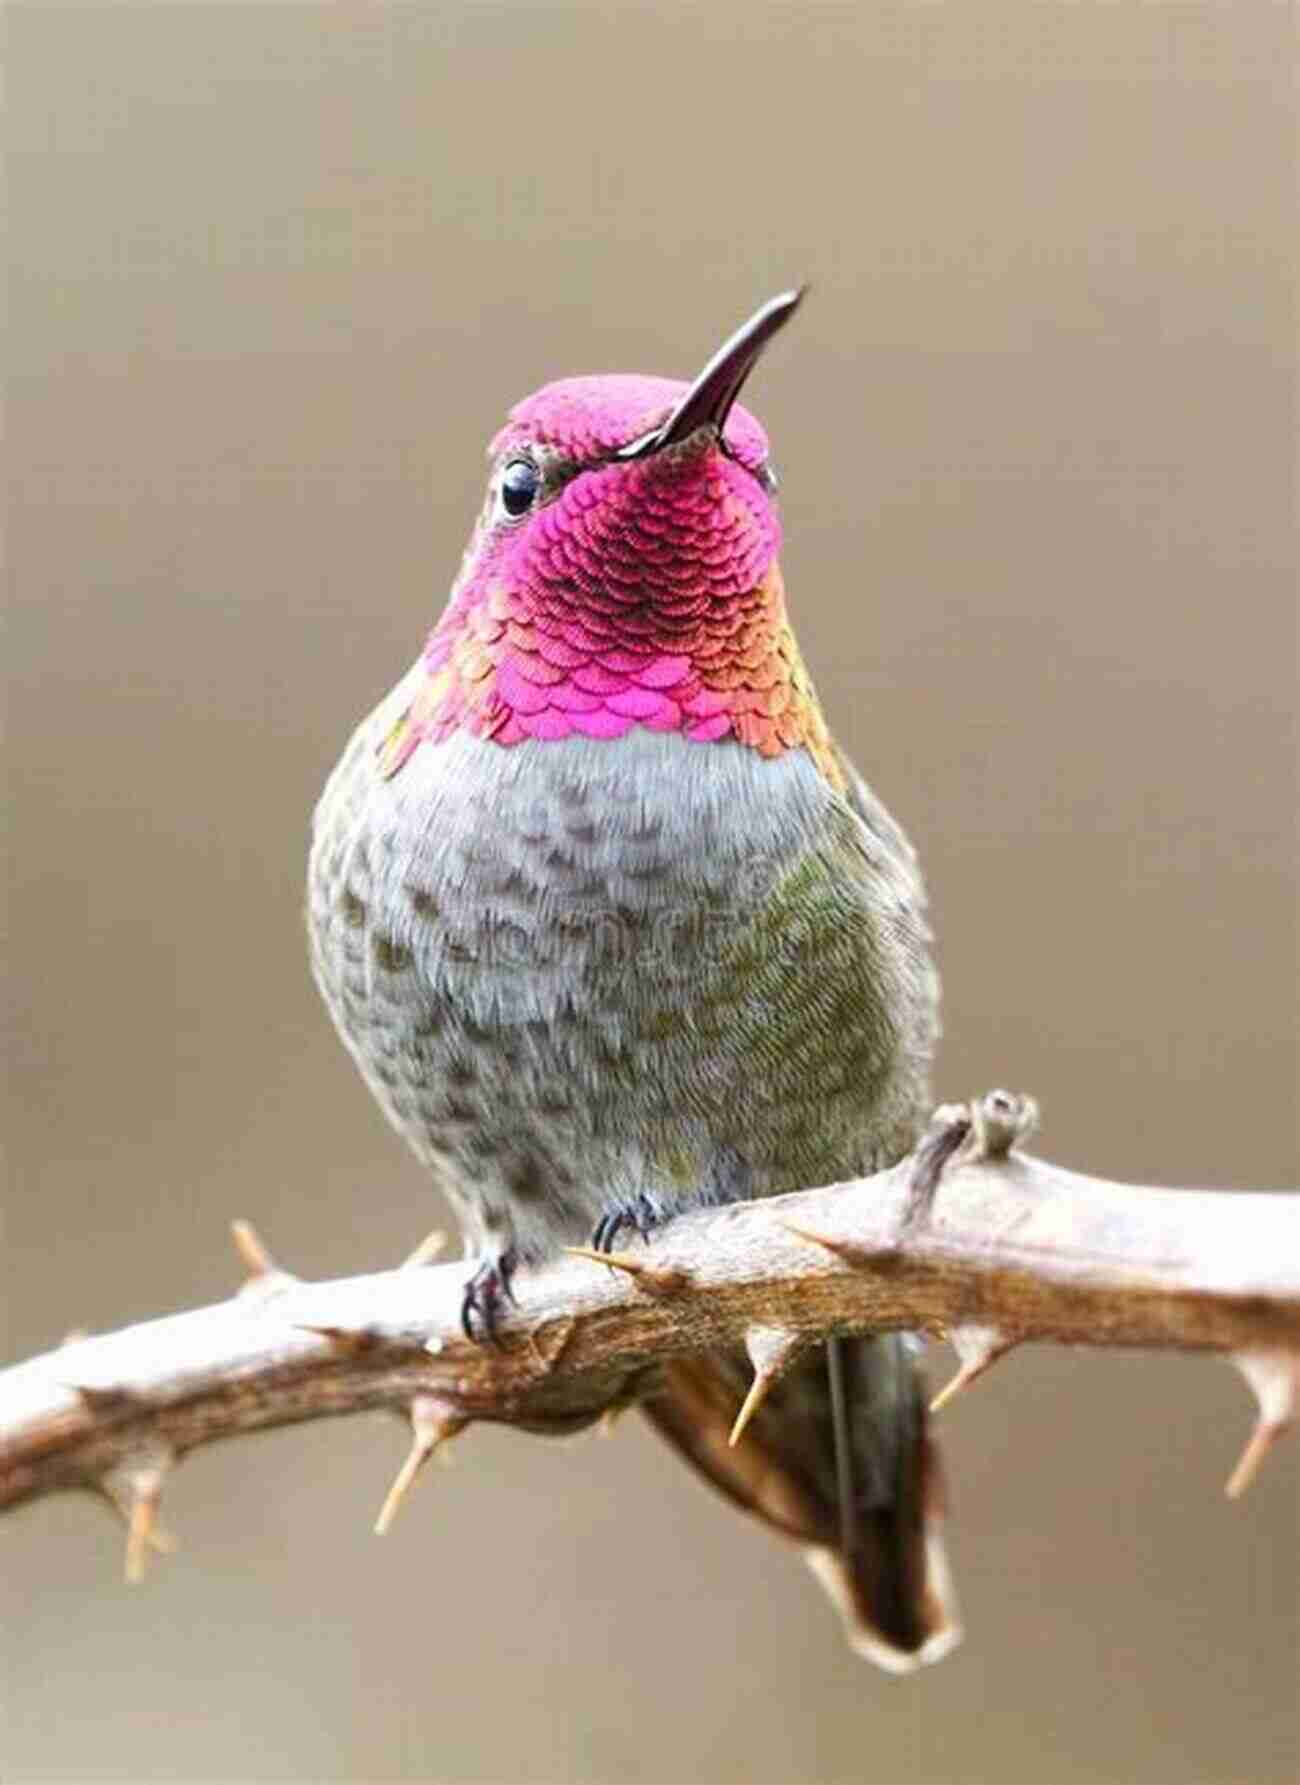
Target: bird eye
(520, 482)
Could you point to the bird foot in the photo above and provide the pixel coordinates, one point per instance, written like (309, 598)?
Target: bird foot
(485, 1293)
(638, 1213)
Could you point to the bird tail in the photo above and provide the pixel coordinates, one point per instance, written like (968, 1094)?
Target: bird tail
(838, 1459)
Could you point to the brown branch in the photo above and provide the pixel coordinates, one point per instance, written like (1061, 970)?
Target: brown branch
(968, 1237)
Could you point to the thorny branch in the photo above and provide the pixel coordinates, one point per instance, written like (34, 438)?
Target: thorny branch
(969, 1238)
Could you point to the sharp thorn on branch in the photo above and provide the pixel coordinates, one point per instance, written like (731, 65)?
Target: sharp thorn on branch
(432, 1422)
(430, 1247)
(160, 1540)
(653, 1277)
(771, 1351)
(1274, 1377)
(978, 1348)
(263, 1277)
(134, 1488)
(253, 1254)
(616, 1261)
(844, 1250)
(759, 1390)
(139, 1530)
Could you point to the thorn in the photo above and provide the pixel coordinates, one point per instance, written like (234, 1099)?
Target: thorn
(977, 1348)
(429, 1248)
(759, 1389)
(617, 1261)
(1000, 1120)
(1274, 1377)
(161, 1541)
(134, 1488)
(263, 1277)
(844, 1250)
(255, 1258)
(771, 1351)
(652, 1277)
(432, 1423)
(961, 1379)
(139, 1530)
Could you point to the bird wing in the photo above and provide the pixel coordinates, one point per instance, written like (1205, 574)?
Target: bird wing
(881, 1557)
(838, 1457)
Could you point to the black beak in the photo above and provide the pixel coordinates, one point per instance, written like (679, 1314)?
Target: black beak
(708, 402)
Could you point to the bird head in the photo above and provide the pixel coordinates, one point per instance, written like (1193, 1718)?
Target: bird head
(624, 572)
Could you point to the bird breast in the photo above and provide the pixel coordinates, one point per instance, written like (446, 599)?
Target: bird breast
(577, 970)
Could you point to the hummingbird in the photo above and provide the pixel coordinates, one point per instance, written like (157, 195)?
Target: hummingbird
(613, 930)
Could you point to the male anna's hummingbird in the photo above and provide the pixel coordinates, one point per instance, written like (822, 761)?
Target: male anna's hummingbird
(614, 930)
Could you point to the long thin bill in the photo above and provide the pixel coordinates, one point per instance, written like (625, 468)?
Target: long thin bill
(708, 402)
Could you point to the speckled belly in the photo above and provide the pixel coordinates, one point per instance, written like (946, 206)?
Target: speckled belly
(579, 972)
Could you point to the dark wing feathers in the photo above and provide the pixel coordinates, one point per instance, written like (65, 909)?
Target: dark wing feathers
(883, 1563)
(880, 1557)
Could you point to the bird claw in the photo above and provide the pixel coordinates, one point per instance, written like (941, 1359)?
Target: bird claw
(639, 1214)
(485, 1292)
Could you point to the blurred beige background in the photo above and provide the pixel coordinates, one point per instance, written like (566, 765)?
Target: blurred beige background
(277, 270)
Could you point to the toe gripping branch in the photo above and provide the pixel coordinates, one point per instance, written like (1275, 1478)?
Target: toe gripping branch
(640, 1215)
(486, 1293)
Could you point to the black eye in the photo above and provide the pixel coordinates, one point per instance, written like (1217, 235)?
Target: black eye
(520, 482)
